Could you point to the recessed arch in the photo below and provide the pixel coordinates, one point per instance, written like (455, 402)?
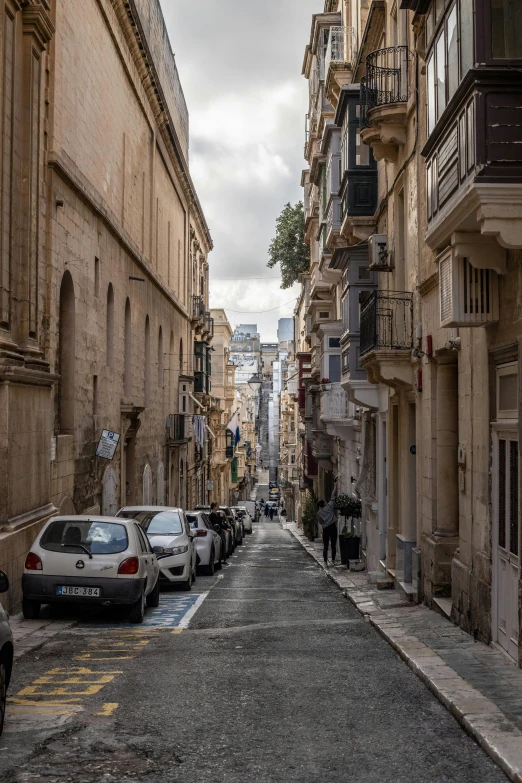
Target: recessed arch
(67, 353)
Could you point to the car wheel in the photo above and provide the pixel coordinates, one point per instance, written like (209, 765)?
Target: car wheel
(210, 567)
(187, 584)
(137, 611)
(153, 597)
(30, 609)
(218, 566)
(3, 693)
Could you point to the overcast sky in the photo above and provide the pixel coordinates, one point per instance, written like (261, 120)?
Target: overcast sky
(240, 66)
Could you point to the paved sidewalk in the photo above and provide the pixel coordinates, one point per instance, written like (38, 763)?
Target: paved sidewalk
(476, 683)
(29, 635)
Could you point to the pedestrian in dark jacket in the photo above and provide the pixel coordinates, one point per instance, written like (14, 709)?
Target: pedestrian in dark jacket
(267, 510)
(272, 512)
(327, 518)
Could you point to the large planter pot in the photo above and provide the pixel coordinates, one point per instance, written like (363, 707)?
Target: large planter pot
(343, 549)
(353, 545)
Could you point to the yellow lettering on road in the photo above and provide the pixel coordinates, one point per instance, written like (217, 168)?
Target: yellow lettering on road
(33, 690)
(108, 709)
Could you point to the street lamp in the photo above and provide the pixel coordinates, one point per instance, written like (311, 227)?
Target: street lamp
(255, 382)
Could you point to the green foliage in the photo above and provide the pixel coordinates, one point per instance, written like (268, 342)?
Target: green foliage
(289, 248)
(349, 506)
(310, 508)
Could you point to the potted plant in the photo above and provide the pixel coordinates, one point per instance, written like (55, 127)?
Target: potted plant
(310, 508)
(349, 507)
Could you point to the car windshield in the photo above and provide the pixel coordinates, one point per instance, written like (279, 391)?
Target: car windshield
(192, 520)
(99, 538)
(157, 523)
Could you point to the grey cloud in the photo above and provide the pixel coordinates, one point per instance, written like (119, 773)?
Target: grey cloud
(236, 52)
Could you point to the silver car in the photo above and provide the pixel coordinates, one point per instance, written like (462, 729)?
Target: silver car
(6, 651)
(208, 542)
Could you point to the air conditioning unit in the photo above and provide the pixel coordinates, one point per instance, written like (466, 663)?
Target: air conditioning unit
(379, 255)
(468, 295)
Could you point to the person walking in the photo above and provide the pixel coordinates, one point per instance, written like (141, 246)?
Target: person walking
(267, 510)
(272, 512)
(217, 522)
(327, 518)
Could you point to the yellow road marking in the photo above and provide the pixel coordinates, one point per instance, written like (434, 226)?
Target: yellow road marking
(32, 690)
(43, 711)
(177, 630)
(108, 709)
(30, 703)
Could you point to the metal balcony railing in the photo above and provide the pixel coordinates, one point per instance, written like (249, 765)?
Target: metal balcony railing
(386, 80)
(334, 403)
(387, 321)
(198, 308)
(341, 46)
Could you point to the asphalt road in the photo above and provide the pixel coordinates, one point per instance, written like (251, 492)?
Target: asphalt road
(277, 678)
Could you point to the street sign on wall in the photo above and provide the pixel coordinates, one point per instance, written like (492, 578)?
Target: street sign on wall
(107, 444)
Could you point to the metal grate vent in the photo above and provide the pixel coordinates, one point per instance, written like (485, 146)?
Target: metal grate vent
(468, 295)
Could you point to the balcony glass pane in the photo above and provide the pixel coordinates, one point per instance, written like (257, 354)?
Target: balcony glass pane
(453, 53)
(362, 151)
(506, 28)
(466, 36)
(334, 369)
(441, 74)
(431, 94)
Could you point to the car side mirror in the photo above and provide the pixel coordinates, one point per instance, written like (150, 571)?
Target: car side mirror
(158, 550)
(4, 582)
(192, 533)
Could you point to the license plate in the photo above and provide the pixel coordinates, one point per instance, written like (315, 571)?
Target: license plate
(89, 592)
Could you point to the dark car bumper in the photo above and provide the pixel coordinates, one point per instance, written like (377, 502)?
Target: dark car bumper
(42, 588)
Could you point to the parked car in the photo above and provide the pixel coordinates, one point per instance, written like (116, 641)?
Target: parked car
(245, 518)
(172, 540)
(208, 541)
(6, 651)
(236, 523)
(90, 560)
(227, 532)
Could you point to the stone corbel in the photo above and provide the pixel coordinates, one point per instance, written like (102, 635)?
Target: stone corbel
(483, 252)
(37, 23)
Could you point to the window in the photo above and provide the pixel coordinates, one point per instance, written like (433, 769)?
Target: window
(160, 358)
(506, 29)
(450, 56)
(110, 326)
(324, 314)
(362, 150)
(507, 391)
(334, 342)
(156, 523)
(82, 537)
(96, 276)
(147, 362)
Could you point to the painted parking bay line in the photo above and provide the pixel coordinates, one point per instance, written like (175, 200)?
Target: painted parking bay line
(174, 611)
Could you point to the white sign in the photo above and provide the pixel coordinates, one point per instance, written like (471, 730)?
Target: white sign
(210, 485)
(108, 444)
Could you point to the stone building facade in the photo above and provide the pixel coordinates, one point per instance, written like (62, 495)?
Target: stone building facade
(412, 211)
(103, 269)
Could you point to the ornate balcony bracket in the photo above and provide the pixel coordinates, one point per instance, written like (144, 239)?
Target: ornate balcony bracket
(483, 252)
(386, 131)
(393, 368)
(357, 229)
(362, 393)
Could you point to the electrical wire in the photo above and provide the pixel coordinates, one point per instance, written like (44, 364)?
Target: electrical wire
(257, 312)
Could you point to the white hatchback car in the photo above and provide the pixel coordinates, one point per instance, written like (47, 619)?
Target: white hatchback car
(208, 542)
(172, 540)
(247, 519)
(91, 560)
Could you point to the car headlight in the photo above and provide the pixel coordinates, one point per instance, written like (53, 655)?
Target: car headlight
(177, 550)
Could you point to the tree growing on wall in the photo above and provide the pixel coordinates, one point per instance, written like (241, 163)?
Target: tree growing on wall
(288, 248)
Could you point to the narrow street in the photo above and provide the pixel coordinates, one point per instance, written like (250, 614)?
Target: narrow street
(263, 673)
